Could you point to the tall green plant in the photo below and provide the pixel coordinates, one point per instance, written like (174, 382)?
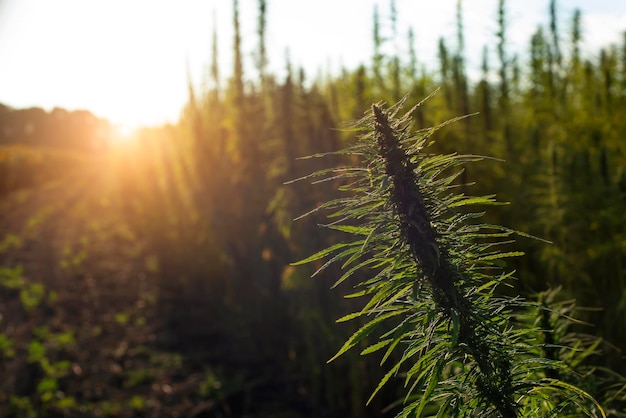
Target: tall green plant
(432, 270)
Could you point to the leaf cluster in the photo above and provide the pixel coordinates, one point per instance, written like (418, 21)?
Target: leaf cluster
(434, 271)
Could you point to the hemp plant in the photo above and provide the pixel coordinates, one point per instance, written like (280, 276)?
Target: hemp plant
(431, 271)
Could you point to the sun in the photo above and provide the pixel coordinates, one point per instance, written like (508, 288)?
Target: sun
(123, 134)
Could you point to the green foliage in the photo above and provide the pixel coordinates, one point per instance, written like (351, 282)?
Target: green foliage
(9, 241)
(169, 257)
(433, 282)
(6, 346)
(11, 278)
(21, 406)
(32, 295)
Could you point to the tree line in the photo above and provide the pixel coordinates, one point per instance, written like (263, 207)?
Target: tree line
(59, 128)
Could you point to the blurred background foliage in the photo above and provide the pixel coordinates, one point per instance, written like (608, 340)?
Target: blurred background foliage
(153, 278)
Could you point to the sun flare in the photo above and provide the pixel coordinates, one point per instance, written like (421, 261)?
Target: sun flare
(123, 134)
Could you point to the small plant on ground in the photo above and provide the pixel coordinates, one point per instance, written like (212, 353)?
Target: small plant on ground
(432, 273)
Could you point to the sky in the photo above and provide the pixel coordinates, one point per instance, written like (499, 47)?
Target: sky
(129, 60)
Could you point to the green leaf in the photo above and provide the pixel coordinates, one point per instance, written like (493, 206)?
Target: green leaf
(36, 351)
(399, 336)
(384, 380)
(498, 256)
(47, 385)
(354, 269)
(356, 294)
(11, 278)
(357, 230)
(376, 347)
(67, 402)
(426, 361)
(577, 391)
(482, 200)
(6, 346)
(580, 357)
(363, 332)
(443, 408)
(351, 316)
(321, 254)
(345, 253)
(432, 384)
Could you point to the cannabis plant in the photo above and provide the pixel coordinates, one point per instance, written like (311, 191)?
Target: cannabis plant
(431, 272)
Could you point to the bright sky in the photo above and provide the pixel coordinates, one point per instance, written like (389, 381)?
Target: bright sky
(127, 60)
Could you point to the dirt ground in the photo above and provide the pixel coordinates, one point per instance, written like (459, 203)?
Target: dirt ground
(78, 311)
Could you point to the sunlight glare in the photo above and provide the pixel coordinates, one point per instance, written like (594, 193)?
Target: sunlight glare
(123, 134)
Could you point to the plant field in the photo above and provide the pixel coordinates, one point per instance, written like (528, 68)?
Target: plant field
(156, 277)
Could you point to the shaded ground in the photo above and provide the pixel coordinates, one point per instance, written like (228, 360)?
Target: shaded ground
(122, 294)
(78, 304)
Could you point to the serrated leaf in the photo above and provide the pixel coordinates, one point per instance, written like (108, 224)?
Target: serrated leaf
(356, 294)
(580, 357)
(482, 200)
(581, 393)
(357, 230)
(363, 332)
(498, 256)
(351, 316)
(396, 340)
(354, 269)
(432, 384)
(337, 257)
(384, 380)
(321, 254)
(376, 347)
